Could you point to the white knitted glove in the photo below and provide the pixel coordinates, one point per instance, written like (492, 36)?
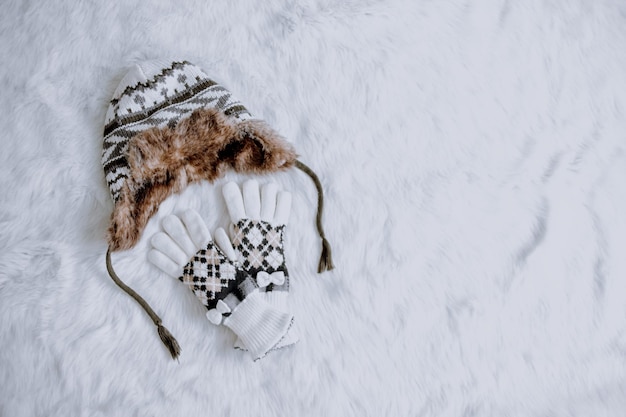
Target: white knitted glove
(185, 250)
(257, 230)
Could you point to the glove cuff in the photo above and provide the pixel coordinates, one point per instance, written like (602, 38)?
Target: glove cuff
(259, 326)
(277, 299)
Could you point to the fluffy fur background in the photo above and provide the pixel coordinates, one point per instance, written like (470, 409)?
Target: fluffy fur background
(473, 155)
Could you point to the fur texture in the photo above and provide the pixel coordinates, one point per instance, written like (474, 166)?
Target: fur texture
(473, 158)
(201, 147)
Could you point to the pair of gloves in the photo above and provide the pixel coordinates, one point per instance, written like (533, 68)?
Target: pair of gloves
(243, 282)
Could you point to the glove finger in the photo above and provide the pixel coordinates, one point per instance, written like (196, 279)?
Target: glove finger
(177, 231)
(196, 229)
(164, 244)
(268, 201)
(283, 208)
(252, 199)
(223, 242)
(164, 263)
(234, 202)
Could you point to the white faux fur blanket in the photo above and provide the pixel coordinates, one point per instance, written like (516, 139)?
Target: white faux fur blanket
(473, 157)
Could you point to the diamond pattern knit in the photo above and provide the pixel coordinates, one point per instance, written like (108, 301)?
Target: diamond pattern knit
(259, 246)
(210, 275)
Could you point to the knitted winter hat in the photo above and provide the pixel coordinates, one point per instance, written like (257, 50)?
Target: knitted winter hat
(168, 126)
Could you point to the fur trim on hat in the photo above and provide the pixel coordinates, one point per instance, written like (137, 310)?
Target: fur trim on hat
(164, 161)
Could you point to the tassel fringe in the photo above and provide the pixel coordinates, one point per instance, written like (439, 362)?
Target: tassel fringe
(169, 341)
(326, 259)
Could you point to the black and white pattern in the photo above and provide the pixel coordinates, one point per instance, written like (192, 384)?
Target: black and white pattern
(210, 275)
(259, 246)
(158, 102)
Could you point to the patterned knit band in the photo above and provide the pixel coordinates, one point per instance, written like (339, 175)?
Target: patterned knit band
(162, 101)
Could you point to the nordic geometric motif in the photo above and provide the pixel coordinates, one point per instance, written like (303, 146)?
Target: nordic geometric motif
(159, 102)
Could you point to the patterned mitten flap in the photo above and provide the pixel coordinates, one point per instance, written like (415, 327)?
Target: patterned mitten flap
(259, 245)
(211, 275)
